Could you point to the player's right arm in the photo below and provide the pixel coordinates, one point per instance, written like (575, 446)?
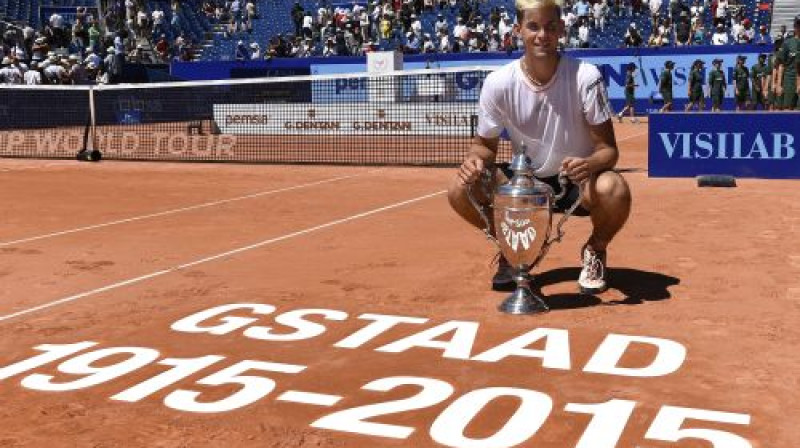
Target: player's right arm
(483, 149)
(482, 153)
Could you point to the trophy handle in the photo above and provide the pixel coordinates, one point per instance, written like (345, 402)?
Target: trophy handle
(485, 182)
(559, 233)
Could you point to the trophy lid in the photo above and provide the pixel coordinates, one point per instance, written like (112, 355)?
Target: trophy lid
(523, 183)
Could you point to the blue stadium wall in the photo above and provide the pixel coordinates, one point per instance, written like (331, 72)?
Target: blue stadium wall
(612, 63)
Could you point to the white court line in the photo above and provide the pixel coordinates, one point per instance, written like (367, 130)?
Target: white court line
(229, 253)
(182, 209)
(631, 136)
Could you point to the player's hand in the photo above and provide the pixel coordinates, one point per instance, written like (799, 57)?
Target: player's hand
(471, 169)
(576, 169)
(779, 90)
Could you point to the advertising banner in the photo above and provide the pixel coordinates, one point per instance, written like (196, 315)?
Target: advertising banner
(747, 144)
(343, 119)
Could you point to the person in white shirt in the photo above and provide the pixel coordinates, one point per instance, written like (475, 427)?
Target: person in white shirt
(9, 74)
(255, 51)
(557, 107)
(720, 37)
(505, 25)
(33, 77)
(655, 10)
(459, 29)
(583, 34)
(56, 21)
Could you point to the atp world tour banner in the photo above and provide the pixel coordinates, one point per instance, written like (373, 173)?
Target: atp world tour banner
(747, 144)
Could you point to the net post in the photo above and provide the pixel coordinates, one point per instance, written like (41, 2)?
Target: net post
(92, 118)
(88, 153)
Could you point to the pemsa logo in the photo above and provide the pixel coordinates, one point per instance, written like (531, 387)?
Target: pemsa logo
(728, 145)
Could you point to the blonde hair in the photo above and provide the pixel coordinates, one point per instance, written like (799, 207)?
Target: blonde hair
(522, 5)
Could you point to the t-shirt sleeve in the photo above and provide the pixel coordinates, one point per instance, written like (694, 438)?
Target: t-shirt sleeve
(594, 96)
(490, 116)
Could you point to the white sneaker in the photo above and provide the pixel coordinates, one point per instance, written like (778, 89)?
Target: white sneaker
(503, 279)
(593, 275)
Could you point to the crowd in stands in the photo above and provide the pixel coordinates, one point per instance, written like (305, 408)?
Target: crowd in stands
(141, 31)
(460, 27)
(91, 49)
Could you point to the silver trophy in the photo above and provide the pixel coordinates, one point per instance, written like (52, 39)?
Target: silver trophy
(523, 214)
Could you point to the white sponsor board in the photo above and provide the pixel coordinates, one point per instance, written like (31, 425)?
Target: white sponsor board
(383, 90)
(429, 119)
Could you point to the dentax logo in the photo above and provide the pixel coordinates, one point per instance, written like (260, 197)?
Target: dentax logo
(728, 145)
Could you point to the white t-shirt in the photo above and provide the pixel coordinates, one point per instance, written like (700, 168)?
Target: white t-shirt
(552, 119)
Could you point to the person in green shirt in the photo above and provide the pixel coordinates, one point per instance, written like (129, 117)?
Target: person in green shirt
(695, 94)
(717, 85)
(665, 86)
(772, 72)
(94, 37)
(787, 69)
(758, 73)
(630, 94)
(741, 82)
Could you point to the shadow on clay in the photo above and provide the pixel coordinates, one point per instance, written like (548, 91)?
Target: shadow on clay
(636, 285)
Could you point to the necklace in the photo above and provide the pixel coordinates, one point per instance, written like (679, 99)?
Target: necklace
(526, 71)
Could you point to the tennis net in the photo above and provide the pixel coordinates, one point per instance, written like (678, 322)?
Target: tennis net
(418, 117)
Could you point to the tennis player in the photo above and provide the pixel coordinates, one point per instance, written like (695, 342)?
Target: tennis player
(558, 106)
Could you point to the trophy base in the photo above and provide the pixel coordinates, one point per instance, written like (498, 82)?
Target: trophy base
(523, 301)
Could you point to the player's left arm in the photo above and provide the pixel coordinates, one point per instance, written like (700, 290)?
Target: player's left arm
(603, 158)
(597, 116)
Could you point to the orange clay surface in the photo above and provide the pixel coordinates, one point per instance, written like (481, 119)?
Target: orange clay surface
(117, 252)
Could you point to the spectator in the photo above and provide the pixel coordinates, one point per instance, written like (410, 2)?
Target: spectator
(241, 54)
(632, 37)
(297, 14)
(600, 11)
(747, 34)
(53, 72)
(582, 10)
(33, 76)
(112, 65)
(330, 49)
(720, 37)
(584, 36)
(655, 40)
(40, 49)
(255, 51)
(92, 58)
(683, 35)
(763, 37)
(162, 48)
(460, 28)
(699, 34)
(77, 72)
(721, 16)
(655, 11)
(9, 73)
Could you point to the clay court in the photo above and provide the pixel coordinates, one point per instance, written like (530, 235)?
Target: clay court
(120, 256)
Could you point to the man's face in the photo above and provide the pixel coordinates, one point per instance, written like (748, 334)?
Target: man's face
(540, 29)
